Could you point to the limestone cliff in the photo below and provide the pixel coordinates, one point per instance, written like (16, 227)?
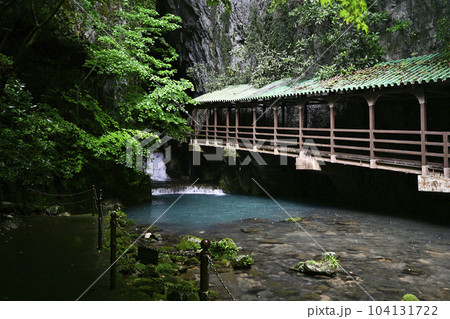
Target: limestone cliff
(209, 34)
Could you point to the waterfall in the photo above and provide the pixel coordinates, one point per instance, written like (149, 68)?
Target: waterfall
(164, 185)
(156, 167)
(184, 189)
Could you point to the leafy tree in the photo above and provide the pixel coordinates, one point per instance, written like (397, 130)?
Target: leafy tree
(111, 76)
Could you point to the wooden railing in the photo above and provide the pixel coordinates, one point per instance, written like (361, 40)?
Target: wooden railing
(402, 150)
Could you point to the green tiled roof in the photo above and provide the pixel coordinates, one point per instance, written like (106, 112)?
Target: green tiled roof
(415, 70)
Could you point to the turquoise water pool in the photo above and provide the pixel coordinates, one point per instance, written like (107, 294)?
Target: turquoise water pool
(198, 211)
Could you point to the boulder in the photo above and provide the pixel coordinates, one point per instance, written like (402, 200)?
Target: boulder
(6, 208)
(189, 242)
(242, 262)
(312, 267)
(65, 214)
(53, 210)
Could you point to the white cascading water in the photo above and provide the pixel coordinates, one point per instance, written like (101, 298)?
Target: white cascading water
(157, 170)
(156, 167)
(205, 190)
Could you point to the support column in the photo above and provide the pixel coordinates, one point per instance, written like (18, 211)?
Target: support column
(446, 168)
(194, 116)
(423, 138)
(332, 127)
(215, 126)
(301, 120)
(254, 127)
(373, 163)
(207, 125)
(420, 95)
(236, 122)
(227, 126)
(275, 126)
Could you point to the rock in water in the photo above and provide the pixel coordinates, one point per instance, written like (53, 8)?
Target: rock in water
(53, 210)
(242, 262)
(312, 267)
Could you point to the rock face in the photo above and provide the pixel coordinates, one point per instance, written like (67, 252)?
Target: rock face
(424, 15)
(209, 34)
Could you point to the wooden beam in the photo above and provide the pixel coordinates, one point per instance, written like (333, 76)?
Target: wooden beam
(275, 126)
(215, 126)
(236, 123)
(446, 168)
(371, 134)
(254, 127)
(227, 125)
(207, 125)
(301, 120)
(332, 128)
(194, 117)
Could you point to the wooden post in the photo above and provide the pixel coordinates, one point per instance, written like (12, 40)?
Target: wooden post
(446, 168)
(227, 125)
(254, 127)
(207, 125)
(194, 116)
(113, 247)
(301, 116)
(275, 126)
(236, 122)
(100, 220)
(332, 128)
(204, 264)
(215, 126)
(372, 134)
(93, 200)
(423, 138)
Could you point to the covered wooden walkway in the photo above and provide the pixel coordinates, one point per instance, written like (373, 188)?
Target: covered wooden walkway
(273, 119)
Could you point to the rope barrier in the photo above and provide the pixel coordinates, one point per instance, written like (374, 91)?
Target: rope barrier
(220, 278)
(60, 195)
(73, 203)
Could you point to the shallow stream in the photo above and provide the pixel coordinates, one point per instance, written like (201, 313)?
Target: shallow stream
(382, 257)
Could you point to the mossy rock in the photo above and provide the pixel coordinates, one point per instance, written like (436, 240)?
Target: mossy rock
(294, 219)
(312, 267)
(192, 261)
(410, 297)
(167, 268)
(189, 242)
(242, 262)
(225, 248)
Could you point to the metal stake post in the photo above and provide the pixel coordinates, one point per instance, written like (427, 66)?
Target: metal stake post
(204, 277)
(113, 246)
(100, 220)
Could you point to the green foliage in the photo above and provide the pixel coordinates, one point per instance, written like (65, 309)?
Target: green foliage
(351, 11)
(108, 77)
(332, 259)
(226, 3)
(225, 248)
(189, 242)
(242, 262)
(399, 25)
(410, 297)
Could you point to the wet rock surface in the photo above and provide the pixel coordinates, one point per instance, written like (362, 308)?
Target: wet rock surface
(378, 261)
